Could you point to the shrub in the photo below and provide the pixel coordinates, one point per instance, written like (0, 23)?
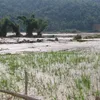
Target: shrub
(77, 37)
(71, 31)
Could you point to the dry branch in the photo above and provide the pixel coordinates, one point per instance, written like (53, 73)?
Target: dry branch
(18, 95)
(97, 98)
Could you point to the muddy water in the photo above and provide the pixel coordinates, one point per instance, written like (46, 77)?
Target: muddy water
(19, 45)
(47, 46)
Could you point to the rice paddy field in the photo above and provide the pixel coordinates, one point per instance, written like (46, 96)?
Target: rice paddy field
(62, 75)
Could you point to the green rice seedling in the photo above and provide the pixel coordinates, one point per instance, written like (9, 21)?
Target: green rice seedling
(78, 84)
(52, 75)
(68, 97)
(79, 95)
(86, 81)
(97, 93)
(83, 82)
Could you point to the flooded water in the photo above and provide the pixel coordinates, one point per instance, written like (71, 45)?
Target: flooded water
(21, 44)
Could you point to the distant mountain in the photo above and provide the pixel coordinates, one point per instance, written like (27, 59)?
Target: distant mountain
(61, 14)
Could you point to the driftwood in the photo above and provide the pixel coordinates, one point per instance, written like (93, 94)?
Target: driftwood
(18, 95)
(25, 97)
(97, 98)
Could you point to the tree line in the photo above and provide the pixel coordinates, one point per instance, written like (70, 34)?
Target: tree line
(61, 14)
(31, 24)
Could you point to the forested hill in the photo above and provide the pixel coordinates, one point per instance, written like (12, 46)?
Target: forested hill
(61, 14)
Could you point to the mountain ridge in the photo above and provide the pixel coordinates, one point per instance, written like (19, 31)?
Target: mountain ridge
(61, 14)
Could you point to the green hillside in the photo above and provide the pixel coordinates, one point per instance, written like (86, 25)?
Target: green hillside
(61, 14)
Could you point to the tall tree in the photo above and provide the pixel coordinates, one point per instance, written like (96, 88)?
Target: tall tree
(41, 25)
(15, 28)
(30, 23)
(3, 27)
